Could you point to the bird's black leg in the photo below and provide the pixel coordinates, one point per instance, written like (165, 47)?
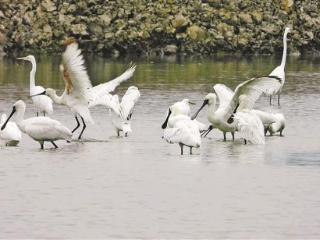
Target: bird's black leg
(232, 133)
(281, 132)
(41, 144)
(37, 114)
(55, 145)
(245, 141)
(265, 131)
(78, 125)
(270, 100)
(279, 99)
(181, 148)
(44, 114)
(84, 127)
(224, 136)
(190, 150)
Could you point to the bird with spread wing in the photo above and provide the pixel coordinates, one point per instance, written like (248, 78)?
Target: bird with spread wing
(234, 111)
(79, 94)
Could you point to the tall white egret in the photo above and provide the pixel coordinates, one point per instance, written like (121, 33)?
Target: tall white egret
(11, 135)
(279, 72)
(42, 103)
(40, 129)
(79, 95)
(183, 130)
(242, 100)
(121, 113)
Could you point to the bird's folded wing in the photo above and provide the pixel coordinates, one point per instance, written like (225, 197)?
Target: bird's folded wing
(173, 135)
(74, 72)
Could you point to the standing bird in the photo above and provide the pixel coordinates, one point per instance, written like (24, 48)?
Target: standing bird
(40, 129)
(79, 95)
(279, 72)
(183, 130)
(226, 117)
(42, 103)
(11, 135)
(121, 113)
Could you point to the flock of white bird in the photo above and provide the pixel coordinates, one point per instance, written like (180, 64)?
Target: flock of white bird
(230, 111)
(227, 110)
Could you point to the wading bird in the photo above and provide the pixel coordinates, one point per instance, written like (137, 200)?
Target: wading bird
(179, 128)
(279, 72)
(79, 95)
(233, 114)
(40, 129)
(42, 103)
(11, 135)
(121, 113)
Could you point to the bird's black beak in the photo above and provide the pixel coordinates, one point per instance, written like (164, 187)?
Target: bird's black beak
(164, 125)
(205, 102)
(42, 93)
(5, 124)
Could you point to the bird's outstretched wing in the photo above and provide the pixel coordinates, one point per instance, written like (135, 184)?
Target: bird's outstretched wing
(248, 92)
(74, 72)
(224, 94)
(111, 85)
(128, 101)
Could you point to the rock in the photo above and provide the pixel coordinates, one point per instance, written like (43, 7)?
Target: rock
(245, 18)
(48, 6)
(105, 19)
(180, 21)
(170, 49)
(195, 32)
(257, 17)
(79, 29)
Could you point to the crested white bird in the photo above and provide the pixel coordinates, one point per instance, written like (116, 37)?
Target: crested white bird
(242, 100)
(11, 135)
(40, 129)
(279, 72)
(79, 95)
(121, 113)
(182, 130)
(42, 103)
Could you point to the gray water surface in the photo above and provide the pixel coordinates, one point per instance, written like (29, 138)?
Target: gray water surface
(140, 187)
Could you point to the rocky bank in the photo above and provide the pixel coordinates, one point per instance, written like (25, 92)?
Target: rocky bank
(146, 27)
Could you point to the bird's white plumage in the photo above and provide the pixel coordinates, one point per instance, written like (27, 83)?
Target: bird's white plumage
(42, 103)
(224, 94)
(121, 112)
(11, 135)
(250, 127)
(40, 129)
(278, 125)
(104, 88)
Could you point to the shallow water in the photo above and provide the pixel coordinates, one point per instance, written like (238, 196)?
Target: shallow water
(140, 187)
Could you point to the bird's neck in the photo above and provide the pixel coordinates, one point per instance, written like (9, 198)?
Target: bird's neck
(33, 74)
(19, 118)
(284, 53)
(57, 99)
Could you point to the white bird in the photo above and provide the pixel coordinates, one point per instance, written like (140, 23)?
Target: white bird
(121, 113)
(79, 95)
(11, 135)
(242, 100)
(42, 103)
(183, 130)
(40, 129)
(278, 125)
(279, 72)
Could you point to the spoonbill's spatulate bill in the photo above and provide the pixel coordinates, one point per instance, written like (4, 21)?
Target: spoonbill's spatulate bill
(279, 72)
(11, 135)
(179, 128)
(41, 129)
(121, 113)
(42, 103)
(242, 100)
(79, 95)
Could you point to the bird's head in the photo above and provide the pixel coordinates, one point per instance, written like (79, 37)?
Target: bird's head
(18, 106)
(211, 98)
(69, 41)
(187, 101)
(50, 92)
(29, 58)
